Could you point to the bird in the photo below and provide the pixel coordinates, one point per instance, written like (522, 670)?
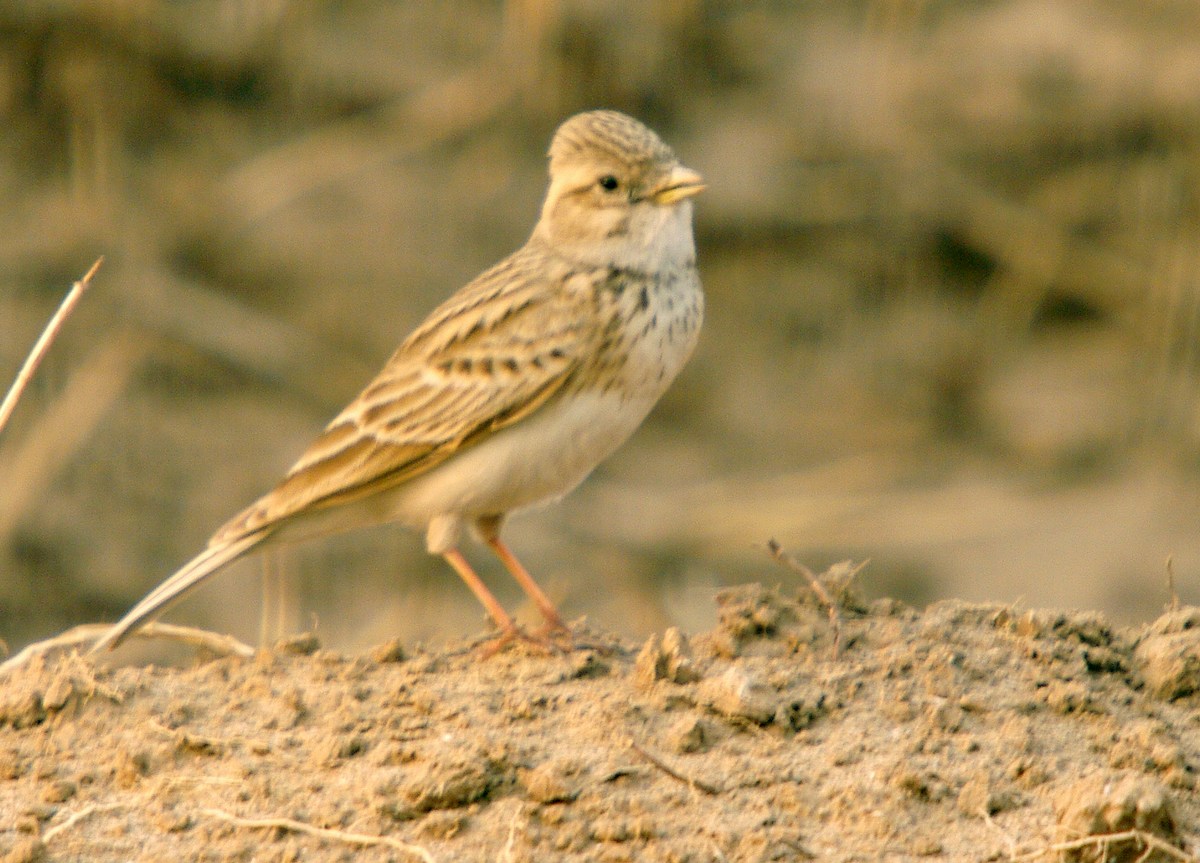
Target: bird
(514, 388)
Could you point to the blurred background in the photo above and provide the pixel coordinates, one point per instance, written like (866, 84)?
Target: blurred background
(950, 251)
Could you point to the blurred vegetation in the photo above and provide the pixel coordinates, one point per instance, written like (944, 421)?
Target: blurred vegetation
(950, 250)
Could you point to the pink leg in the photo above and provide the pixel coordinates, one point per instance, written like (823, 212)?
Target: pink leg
(509, 631)
(554, 621)
(486, 599)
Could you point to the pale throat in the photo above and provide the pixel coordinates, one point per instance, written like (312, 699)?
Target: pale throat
(660, 238)
(648, 238)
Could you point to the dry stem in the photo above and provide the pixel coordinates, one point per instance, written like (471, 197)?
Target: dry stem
(1174, 602)
(835, 622)
(672, 772)
(42, 345)
(223, 645)
(320, 832)
(75, 818)
(1149, 840)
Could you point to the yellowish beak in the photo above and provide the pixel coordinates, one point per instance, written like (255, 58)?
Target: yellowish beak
(680, 183)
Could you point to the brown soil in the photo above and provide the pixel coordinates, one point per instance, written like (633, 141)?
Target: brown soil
(964, 732)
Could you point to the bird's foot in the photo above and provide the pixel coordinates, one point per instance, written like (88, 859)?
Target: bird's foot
(541, 641)
(557, 634)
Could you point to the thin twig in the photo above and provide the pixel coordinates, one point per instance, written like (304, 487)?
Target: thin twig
(85, 812)
(1152, 843)
(1004, 834)
(320, 832)
(1174, 606)
(218, 643)
(672, 772)
(506, 853)
(835, 622)
(42, 345)
(73, 637)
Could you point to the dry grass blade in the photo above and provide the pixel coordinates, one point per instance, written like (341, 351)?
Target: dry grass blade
(1173, 605)
(672, 772)
(320, 832)
(43, 344)
(85, 812)
(222, 645)
(73, 637)
(278, 602)
(835, 621)
(1103, 840)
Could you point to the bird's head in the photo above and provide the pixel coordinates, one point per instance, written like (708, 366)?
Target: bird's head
(618, 195)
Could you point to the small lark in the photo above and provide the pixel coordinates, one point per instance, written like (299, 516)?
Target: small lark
(516, 387)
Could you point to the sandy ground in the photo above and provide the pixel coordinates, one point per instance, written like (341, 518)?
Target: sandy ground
(964, 732)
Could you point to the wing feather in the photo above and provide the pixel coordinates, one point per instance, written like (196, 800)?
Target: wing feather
(487, 357)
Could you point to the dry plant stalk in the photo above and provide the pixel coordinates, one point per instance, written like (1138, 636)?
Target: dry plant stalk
(363, 839)
(222, 645)
(1173, 605)
(42, 345)
(1102, 840)
(672, 772)
(835, 621)
(74, 819)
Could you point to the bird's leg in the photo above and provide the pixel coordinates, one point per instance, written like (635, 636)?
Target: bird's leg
(489, 530)
(509, 631)
(486, 599)
(554, 621)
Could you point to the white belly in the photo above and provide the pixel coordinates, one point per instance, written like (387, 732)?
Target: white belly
(540, 458)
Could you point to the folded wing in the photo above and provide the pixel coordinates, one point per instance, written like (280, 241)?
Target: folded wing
(490, 355)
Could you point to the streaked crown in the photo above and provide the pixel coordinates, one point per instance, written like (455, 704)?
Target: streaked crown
(609, 133)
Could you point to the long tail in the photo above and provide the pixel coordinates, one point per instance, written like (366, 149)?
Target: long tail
(190, 575)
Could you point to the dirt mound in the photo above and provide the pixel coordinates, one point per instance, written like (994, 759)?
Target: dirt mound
(964, 732)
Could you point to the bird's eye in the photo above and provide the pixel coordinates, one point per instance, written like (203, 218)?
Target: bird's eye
(608, 183)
